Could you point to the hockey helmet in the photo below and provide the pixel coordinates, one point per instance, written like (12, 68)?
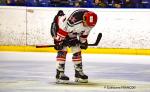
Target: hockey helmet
(90, 18)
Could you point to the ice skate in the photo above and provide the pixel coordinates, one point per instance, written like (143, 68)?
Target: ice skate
(79, 75)
(61, 77)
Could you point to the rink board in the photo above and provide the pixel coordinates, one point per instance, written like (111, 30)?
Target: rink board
(121, 28)
(89, 50)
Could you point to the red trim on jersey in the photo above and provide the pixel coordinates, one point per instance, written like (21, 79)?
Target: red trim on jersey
(62, 33)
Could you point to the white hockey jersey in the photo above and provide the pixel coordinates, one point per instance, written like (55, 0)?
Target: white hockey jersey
(74, 26)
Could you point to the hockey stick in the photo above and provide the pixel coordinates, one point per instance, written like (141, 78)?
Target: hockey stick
(94, 44)
(97, 40)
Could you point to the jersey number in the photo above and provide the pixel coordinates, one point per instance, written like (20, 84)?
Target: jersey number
(91, 19)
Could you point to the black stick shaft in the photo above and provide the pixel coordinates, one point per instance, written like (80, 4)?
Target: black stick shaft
(94, 44)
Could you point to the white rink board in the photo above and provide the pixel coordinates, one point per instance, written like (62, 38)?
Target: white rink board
(121, 28)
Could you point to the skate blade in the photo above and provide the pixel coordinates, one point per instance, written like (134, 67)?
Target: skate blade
(62, 81)
(79, 80)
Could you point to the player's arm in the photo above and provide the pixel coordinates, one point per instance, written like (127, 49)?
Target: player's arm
(54, 25)
(61, 34)
(83, 39)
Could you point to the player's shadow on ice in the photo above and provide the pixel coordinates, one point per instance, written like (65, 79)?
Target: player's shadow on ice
(89, 84)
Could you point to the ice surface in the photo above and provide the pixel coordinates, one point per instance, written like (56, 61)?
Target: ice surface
(29, 72)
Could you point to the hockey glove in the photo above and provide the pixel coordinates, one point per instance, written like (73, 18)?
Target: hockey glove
(84, 45)
(60, 13)
(58, 45)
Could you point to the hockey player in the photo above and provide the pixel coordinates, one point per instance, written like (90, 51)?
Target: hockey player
(72, 32)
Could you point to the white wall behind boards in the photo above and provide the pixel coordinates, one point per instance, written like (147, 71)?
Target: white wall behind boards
(121, 28)
(12, 26)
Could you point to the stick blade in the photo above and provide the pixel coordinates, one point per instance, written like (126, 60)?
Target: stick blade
(97, 40)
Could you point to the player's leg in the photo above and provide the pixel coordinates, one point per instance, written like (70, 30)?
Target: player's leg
(60, 67)
(77, 59)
